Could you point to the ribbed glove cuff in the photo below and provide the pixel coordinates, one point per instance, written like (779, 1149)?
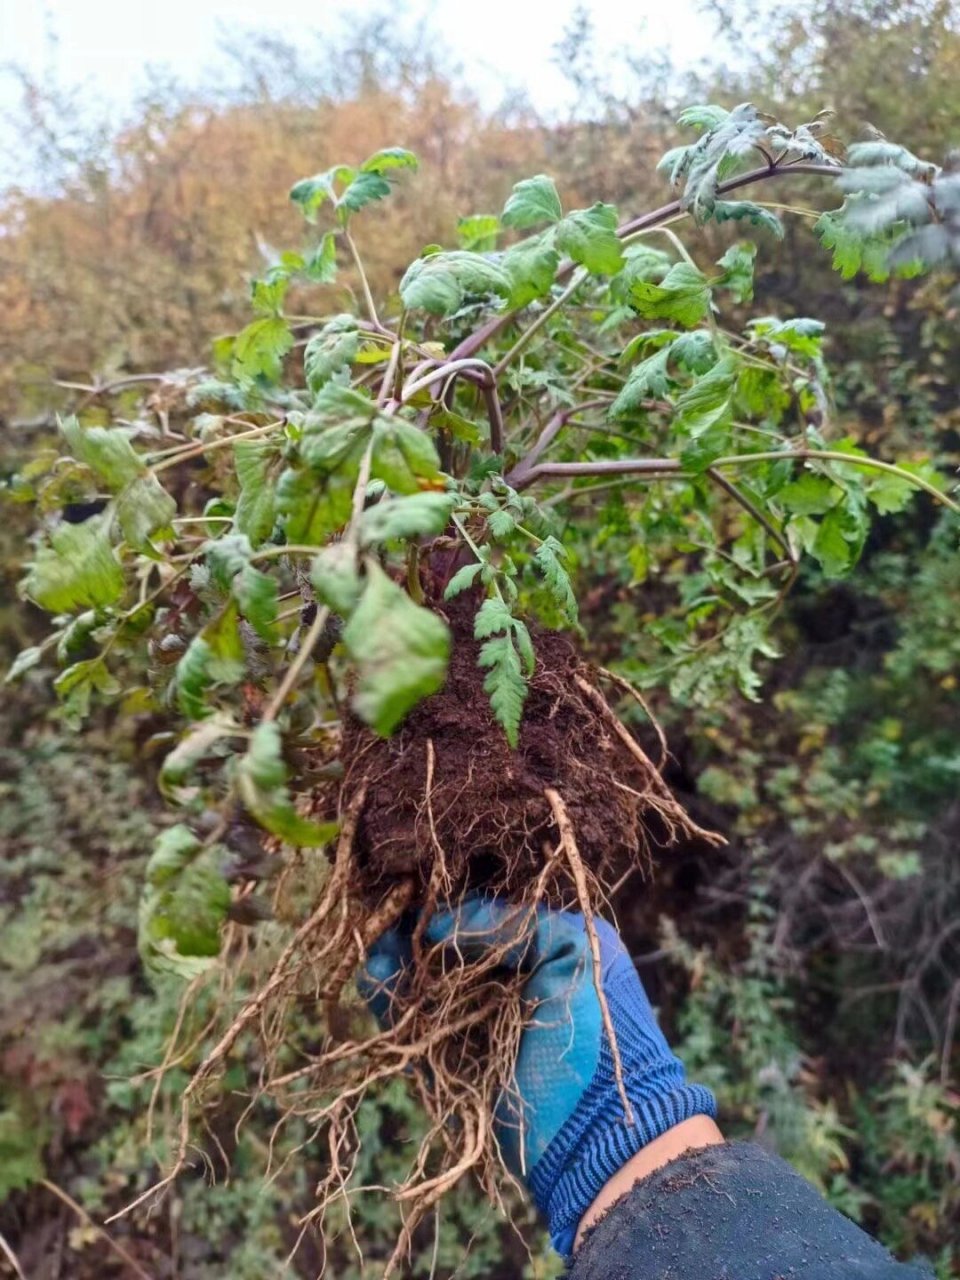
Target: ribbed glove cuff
(597, 1141)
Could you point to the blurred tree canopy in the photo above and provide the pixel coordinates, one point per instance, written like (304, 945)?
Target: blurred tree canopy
(812, 973)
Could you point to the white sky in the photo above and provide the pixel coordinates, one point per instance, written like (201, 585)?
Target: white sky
(106, 44)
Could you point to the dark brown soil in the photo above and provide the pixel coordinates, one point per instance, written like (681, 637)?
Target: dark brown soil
(490, 815)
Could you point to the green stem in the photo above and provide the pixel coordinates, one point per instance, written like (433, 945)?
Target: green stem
(541, 320)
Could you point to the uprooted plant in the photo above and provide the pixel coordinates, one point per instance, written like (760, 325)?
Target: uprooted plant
(346, 558)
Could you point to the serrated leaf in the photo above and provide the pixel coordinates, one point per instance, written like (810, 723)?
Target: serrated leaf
(388, 159)
(321, 266)
(183, 906)
(310, 512)
(478, 232)
(256, 511)
(683, 296)
(532, 268)
(532, 201)
(76, 685)
(462, 580)
(400, 649)
(214, 656)
(262, 783)
(441, 282)
(335, 577)
(144, 511)
(808, 495)
(365, 188)
(26, 659)
(408, 517)
(259, 350)
(330, 350)
(192, 747)
(256, 594)
(737, 266)
(853, 250)
(589, 236)
(747, 211)
(501, 523)
(78, 569)
(403, 456)
(549, 559)
(311, 193)
(889, 493)
(707, 401)
(504, 683)
(106, 450)
(492, 616)
(694, 351)
(647, 380)
(716, 154)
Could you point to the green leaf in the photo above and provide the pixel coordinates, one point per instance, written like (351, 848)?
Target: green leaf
(401, 651)
(311, 193)
(737, 264)
(478, 232)
(855, 249)
(321, 266)
(335, 578)
(330, 350)
(707, 401)
(76, 685)
(256, 595)
(501, 524)
(259, 350)
(504, 683)
(832, 546)
(184, 905)
(809, 495)
(214, 656)
(106, 450)
(549, 558)
(462, 579)
(144, 511)
(365, 188)
(409, 517)
(256, 511)
(703, 116)
(390, 158)
(441, 282)
(262, 783)
(694, 351)
(683, 296)
(747, 211)
(492, 616)
(403, 455)
(729, 136)
(532, 268)
(589, 236)
(189, 751)
(309, 512)
(77, 570)
(268, 296)
(648, 380)
(26, 659)
(890, 493)
(532, 201)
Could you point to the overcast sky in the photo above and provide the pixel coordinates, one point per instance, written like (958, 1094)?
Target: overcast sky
(106, 44)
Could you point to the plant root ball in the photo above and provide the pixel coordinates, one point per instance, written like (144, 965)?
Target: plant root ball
(448, 789)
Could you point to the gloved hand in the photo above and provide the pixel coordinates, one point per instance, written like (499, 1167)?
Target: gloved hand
(568, 1134)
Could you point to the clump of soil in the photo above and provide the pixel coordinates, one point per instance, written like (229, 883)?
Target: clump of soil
(448, 783)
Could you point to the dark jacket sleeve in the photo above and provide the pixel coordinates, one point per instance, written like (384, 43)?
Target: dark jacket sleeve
(731, 1212)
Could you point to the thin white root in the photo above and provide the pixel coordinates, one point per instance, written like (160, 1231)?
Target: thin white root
(568, 840)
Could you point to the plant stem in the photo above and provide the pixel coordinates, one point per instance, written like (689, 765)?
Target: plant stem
(538, 324)
(364, 283)
(224, 442)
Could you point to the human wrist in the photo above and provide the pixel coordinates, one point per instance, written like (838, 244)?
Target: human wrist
(689, 1135)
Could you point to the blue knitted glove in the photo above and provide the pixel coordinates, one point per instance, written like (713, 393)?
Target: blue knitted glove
(562, 1127)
